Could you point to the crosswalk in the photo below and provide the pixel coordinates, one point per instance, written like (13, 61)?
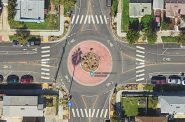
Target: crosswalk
(140, 63)
(88, 19)
(45, 58)
(92, 113)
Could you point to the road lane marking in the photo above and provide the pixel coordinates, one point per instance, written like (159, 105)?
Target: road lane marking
(45, 73)
(89, 19)
(47, 78)
(81, 19)
(140, 79)
(139, 51)
(139, 47)
(141, 60)
(92, 17)
(141, 56)
(97, 19)
(73, 111)
(139, 71)
(47, 59)
(89, 112)
(101, 114)
(82, 112)
(140, 75)
(138, 67)
(85, 19)
(97, 113)
(44, 69)
(105, 19)
(93, 112)
(45, 47)
(78, 114)
(45, 51)
(101, 19)
(86, 112)
(106, 111)
(77, 19)
(47, 55)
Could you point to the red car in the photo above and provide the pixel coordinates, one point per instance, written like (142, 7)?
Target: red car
(26, 79)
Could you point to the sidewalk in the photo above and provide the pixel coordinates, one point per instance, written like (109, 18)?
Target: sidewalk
(166, 33)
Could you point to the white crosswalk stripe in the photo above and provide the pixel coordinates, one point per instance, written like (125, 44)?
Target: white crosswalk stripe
(141, 66)
(93, 113)
(45, 51)
(140, 75)
(92, 17)
(43, 77)
(140, 56)
(140, 79)
(45, 69)
(47, 59)
(73, 18)
(81, 19)
(141, 60)
(77, 19)
(85, 19)
(139, 51)
(45, 73)
(46, 55)
(105, 19)
(97, 20)
(139, 47)
(45, 65)
(101, 19)
(139, 71)
(45, 47)
(89, 19)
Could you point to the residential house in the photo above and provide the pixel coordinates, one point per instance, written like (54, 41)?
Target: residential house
(140, 8)
(174, 8)
(158, 4)
(173, 105)
(22, 106)
(30, 11)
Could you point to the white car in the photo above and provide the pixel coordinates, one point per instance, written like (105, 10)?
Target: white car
(183, 81)
(174, 79)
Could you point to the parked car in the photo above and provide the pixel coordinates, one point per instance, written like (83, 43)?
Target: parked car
(12, 79)
(34, 42)
(109, 3)
(159, 79)
(1, 78)
(183, 81)
(15, 42)
(26, 79)
(174, 79)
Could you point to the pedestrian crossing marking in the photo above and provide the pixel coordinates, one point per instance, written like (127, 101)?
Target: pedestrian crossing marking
(138, 67)
(78, 114)
(92, 17)
(106, 111)
(101, 19)
(82, 112)
(89, 19)
(139, 51)
(81, 19)
(73, 111)
(45, 47)
(140, 75)
(97, 19)
(77, 19)
(141, 60)
(139, 71)
(47, 78)
(140, 79)
(101, 113)
(140, 56)
(97, 113)
(89, 112)
(139, 47)
(86, 112)
(93, 112)
(85, 19)
(105, 19)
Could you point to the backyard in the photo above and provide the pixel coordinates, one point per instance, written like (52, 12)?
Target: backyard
(125, 16)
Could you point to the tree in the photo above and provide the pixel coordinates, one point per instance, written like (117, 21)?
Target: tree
(114, 7)
(132, 36)
(151, 36)
(181, 38)
(23, 35)
(134, 24)
(130, 106)
(11, 9)
(146, 22)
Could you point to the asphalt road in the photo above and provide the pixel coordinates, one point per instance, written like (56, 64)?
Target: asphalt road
(131, 63)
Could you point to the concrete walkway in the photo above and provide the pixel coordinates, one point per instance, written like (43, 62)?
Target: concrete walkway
(166, 33)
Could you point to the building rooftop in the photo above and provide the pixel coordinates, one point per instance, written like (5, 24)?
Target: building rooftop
(140, 1)
(158, 4)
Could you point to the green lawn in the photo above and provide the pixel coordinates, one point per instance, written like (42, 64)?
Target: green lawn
(14, 37)
(130, 106)
(125, 16)
(51, 23)
(169, 39)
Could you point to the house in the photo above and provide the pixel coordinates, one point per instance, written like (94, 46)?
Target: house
(30, 11)
(174, 8)
(140, 8)
(158, 4)
(22, 106)
(173, 105)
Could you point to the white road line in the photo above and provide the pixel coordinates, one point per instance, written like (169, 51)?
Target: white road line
(97, 113)
(45, 73)
(105, 19)
(43, 77)
(45, 51)
(89, 112)
(139, 71)
(93, 112)
(140, 75)
(141, 56)
(101, 19)
(140, 79)
(85, 19)
(86, 114)
(141, 63)
(101, 114)
(47, 55)
(44, 69)
(139, 51)
(89, 19)
(97, 19)
(77, 19)
(44, 62)
(47, 59)
(106, 111)
(139, 47)
(82, 112)
(45, 47)
(81, 19)
(73, 111)
(78, 114)
(138, 67)
(141, 60)
(92, 17)
(73, 18)
(45, 65)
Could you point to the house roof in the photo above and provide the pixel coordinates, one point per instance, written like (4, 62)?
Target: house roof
(158, 4)
(175, 1)
(172, 104)
(29, 9)
(139, 9)
(20, 100)
(151, 119)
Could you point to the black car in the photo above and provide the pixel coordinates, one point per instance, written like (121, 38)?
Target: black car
(1, 78)
(15, 42)
(34, 42)
(12, 79)
(159, 79)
